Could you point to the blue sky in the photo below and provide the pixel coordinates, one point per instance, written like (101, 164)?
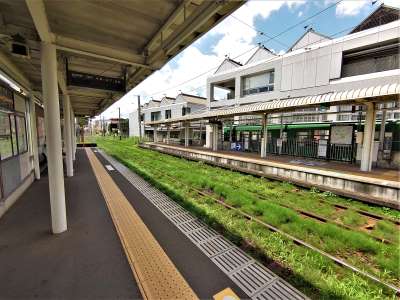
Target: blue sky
(232, 37)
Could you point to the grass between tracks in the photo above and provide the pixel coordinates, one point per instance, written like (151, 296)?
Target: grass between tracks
(315, 275)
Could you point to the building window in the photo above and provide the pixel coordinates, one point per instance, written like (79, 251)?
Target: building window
(259, 83)
(155, 116)
(375, 58)
(6, 146)
(21, 133)
(14, 134)
(168, 114)
(185, 111)
(13, 137)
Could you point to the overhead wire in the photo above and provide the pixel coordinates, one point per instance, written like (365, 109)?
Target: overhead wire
(252, 48)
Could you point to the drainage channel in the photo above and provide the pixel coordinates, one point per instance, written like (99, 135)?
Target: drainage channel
(253, 278)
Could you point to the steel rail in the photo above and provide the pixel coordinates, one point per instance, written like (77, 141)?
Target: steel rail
(290, 237)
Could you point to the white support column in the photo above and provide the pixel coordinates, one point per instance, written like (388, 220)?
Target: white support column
(155, 138)
(209, 136)
(53, 137)
(215, 137)
(73, 134)
(67, 136)
(168, 134)
(264, 140)
(382, 132)
(186, 134)
(368, 138)
(33, 134)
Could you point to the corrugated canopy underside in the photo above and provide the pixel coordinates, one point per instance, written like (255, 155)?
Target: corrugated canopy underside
(119, 39)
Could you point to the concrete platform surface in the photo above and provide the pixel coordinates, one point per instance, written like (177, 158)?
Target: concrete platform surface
(86, 262)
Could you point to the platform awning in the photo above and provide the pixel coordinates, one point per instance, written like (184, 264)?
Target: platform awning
(107, 47)
(289, 104)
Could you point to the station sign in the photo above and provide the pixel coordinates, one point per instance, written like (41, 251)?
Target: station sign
(95, 81)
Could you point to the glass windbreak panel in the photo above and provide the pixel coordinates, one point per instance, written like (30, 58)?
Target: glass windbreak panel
(13, 135)
(5, 137)
(21, 130)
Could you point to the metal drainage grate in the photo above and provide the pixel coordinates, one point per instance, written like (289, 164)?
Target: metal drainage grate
(232, 260)
(191, 226)
(279, 290)
(167, 205)
(201, 235)
(174, 212)
(186, 217)
(215, 246)
(254, 279)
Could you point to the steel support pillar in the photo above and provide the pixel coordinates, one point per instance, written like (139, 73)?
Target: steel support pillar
(33, 136)
(68, 136)
(53, 137)
(168, 134)
(155, 138)
(382, 133)
(264, 141)
(215, 137)
(73, 134)
(368, 138)
(186, 134)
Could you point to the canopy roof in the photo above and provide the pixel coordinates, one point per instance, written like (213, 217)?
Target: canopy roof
(288, 104)
(126, 40)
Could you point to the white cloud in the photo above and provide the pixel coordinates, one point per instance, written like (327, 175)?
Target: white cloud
(394, 3)
(351, 8)
(300, 14)
(355, 7)
(235, 38)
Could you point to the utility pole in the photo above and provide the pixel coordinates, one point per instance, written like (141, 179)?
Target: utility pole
(139, 119)
(119, 122)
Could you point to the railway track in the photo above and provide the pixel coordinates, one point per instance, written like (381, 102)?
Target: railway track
(295, 240)
(256, 174)
(317, 217)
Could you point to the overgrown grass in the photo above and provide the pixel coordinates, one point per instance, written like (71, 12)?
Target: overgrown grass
(315, 275)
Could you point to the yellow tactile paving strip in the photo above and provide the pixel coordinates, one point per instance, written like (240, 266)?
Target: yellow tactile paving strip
(156, 275)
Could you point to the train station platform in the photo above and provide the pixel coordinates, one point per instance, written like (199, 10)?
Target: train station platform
(121, 243)
(379, 186)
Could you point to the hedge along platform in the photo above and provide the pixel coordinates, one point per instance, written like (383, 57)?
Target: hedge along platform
(155, 274)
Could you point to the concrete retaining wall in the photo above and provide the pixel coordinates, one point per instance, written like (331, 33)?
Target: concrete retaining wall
(366, 189)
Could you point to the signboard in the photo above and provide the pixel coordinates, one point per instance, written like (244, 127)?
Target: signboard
(341, 134)
(95, 81)
(236, 147)
(322, 148)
